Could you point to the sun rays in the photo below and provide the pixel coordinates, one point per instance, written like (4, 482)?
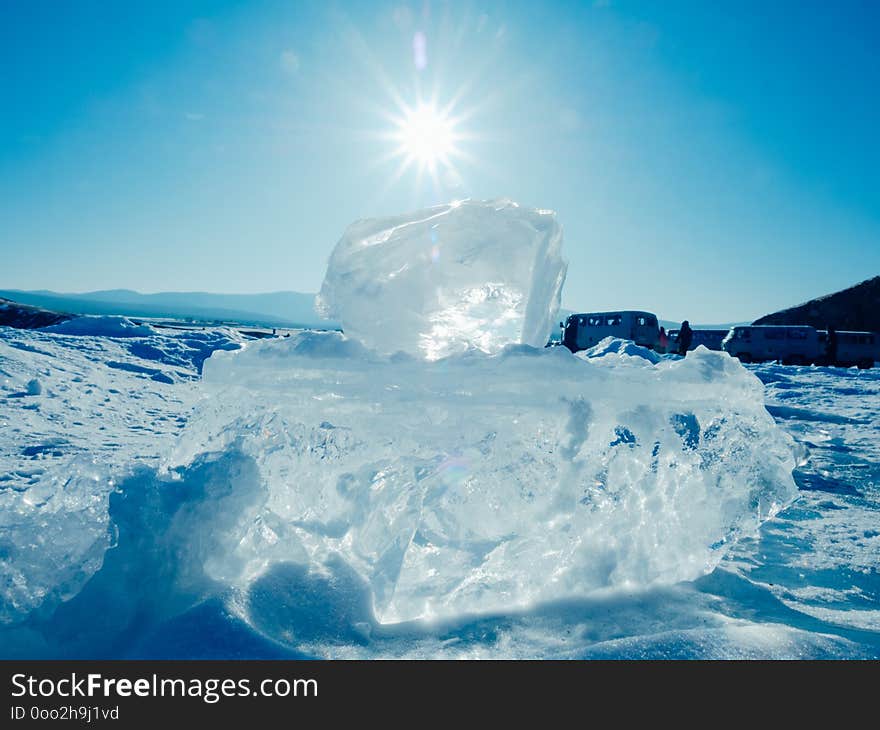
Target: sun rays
(426, 137)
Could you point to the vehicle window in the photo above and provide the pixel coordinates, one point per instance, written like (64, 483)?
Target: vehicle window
(642, 321)
(614, 320)
(774, 334)
(595, 321)
(797, 334)
(743, 334)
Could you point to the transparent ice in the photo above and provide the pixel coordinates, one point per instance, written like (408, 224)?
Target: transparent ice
(469, 274)
(483, 482)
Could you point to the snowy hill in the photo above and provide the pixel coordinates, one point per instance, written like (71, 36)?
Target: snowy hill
(24, 316)
(276, 309)
(856, 308)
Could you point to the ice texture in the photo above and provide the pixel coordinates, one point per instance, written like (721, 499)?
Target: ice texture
(98, 408)
(439, 281)
(52, 536)
(489, 482)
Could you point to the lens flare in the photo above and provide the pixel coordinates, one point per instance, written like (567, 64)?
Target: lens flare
(420, 51)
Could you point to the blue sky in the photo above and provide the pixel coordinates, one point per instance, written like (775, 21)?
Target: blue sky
(707, 162)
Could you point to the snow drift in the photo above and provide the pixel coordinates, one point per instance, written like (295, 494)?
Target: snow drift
(100, 326)
(621, 348)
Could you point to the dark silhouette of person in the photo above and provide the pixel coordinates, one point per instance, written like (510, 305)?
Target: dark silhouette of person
(831, 346)
(569, 334)
(685, 337)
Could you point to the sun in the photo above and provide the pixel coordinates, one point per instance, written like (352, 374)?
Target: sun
(423, 130)
(426, 136)
(429, 139)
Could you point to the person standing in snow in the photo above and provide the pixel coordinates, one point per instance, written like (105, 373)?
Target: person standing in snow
(831, 346)
(685, 337)
(663, 342)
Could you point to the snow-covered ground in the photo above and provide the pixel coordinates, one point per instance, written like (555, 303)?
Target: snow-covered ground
(71, 391)
(138, 516)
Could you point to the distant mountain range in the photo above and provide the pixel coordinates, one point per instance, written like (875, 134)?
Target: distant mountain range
(856, 308)
(276, 309)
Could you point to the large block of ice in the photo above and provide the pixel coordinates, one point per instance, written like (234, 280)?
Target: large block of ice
(439, 281)
(490, 482)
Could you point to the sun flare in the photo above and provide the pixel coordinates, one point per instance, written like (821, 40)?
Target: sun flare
(426, 136)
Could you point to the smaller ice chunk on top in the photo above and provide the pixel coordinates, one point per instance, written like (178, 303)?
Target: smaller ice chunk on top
(466, 275)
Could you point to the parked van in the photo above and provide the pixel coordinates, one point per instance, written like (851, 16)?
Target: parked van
(582, 331)
(854, 348)
(791, 345)
(710, 339)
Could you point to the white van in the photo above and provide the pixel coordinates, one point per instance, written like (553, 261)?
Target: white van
(854, 348)
(710, 339)
(582, 331)
(791, 345)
